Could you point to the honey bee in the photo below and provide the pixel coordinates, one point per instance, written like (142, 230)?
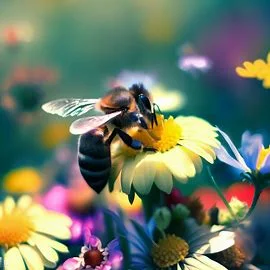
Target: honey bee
(122, 108)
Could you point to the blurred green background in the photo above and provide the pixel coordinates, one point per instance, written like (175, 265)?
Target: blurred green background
(88, 42)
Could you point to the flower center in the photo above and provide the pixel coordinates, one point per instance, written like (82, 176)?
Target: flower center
(93, 257)
(15, 228)
(161, 137)
(232, 258)
(261, 157)
(169, 251)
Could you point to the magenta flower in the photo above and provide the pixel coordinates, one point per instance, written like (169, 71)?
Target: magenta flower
(94, 257)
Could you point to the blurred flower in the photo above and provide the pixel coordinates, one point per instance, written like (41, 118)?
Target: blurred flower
(192, 62)
(24, 90)
(171, 250)
(94, 257)
(192, 203)
(26, 234)
(239, 208)
(120, 199)
(254, 159)
(259, 69)
(66, 201)
(160, 17)
(167, 99)
(162, 217)
(55, 134)
(17, 33)
(23, 180)
(127, 78)
(178, 145)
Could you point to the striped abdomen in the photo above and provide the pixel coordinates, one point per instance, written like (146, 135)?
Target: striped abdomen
(94, 159)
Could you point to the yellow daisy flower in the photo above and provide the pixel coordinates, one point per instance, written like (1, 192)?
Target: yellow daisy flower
(259, 69)
(26, 234)
(179, 145)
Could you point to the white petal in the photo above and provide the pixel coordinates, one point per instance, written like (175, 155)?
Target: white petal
(31, 257)
(46, 251)
(203, 263)
(53, 229)
(233, 148)
(13, 260)
(179, 163)
(9, 205)
(144, 174)
(48, 241)
(225, 157)
(163, 178)
(199, 149)
(127, 174)
(24, 202)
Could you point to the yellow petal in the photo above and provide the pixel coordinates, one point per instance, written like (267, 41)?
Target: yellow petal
(198, 149)
(259, 64)
(31, 257)
(196, 159)
(46, 251)
(248, 65)
(268, 58)
(244, 73)
(127, 174)
(13, 260)
(163, 178)
(24, 202)
(266, 82)
(179, 163)
(52, 243)
(53, 229)
(36, 210)
(58, 218)
(144, 174)
(1, 211)
(9, 205)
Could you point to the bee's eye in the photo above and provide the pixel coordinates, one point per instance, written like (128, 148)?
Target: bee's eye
(144, 102)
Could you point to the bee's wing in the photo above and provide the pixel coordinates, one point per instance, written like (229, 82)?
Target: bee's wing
(86, 124)
(69, 106)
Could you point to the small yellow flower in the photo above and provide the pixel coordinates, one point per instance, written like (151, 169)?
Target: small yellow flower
(23, 180)
(55, 134)
(262, 157)
(26, 234)
(259, 69)
(178, 146)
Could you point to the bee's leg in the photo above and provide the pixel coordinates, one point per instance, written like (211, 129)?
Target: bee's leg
(128, 140)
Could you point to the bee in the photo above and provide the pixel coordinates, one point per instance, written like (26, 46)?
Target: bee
(122, 108)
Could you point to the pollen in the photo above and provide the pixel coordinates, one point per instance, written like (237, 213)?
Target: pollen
(161, 137)
(15, 228)
(169, 251)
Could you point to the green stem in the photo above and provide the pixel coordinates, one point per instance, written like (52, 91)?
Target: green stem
(151, 201)
(220, 193)
(256, 197)
(2, 262)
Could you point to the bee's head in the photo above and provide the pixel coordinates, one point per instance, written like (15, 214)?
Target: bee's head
(144, 102)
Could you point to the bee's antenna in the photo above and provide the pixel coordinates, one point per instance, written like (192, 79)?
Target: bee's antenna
(155, 105)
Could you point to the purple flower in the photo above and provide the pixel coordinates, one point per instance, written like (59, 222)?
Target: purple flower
(193, 62)
(254, 158)
(94, 257)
